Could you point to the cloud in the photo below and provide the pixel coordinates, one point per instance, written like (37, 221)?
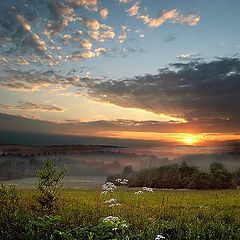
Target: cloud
(6, 107)
(38, 32)
(78, 55)
(30, 38)
(86, 44)
(100, 51)
(173, 16)
(205, 94)
(169, 38)
(133, 11)
(123, 35)
(123, 52)
(88, 4)
(195, 91)
(62, 16)
(104, 13)
(93, 24)
(109, 34)
(30, 106)
(88, 54)
(140, 33)
(39, 107)
(188, 57)
(22, 61)
(119, 128)
(99, 32)
(19, 80)
(124, 1)
(48, 32)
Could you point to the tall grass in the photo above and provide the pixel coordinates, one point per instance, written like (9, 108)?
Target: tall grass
(173, 214)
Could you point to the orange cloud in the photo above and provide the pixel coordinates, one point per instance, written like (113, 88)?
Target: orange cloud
(173, 16)
(104, 13)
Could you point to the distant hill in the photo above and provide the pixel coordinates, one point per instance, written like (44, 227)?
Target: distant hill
(34, 150)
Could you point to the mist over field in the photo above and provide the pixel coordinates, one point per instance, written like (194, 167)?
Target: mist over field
(104, 161)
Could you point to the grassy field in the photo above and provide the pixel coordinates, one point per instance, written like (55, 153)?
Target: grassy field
(174, 214)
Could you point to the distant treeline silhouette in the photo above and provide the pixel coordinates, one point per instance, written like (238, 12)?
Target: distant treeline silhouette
(181, 176)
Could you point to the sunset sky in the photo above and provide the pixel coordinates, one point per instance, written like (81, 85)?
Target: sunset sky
(128, 69)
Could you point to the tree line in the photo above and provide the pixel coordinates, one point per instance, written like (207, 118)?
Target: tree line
(181, 176)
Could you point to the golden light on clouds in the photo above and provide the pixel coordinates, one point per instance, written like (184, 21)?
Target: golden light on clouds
(108, 111)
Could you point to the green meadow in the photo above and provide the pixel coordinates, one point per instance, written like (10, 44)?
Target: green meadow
(41, 208)
(173, 214)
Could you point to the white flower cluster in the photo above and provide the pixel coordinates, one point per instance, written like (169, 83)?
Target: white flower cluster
(144, 189)
(124, 225)
(147, 189)
(123, 181)
(115, 222)
(108, 187)
(159, 237)
(112, 202)
(138, 192)
(111, 219)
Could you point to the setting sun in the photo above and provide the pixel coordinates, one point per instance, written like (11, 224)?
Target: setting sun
(192, 139)
(189, 140)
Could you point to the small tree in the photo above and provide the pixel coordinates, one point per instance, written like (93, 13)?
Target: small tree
(128, 171)
(236, 177)
(221, 178)
(48, 184)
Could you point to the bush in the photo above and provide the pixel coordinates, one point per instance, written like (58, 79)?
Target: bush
(48, 184)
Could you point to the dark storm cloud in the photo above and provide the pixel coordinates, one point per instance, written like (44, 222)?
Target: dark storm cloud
(195, 90)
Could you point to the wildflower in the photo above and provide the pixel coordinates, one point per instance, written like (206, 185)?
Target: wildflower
(159, 237)
(123, 182)
(124, 225)
(138, 192)
(104, 192)
(111, 219)
(115, 204)
(118, 180)
(110, 201)
(116, 223)
(108, 187)
(147, 189)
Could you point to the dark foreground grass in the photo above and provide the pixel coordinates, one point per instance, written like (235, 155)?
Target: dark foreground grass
(173, 214)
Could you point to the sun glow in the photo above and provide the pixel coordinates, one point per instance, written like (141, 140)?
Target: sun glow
(189, 140)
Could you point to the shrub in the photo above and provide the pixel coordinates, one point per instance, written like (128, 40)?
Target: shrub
(48, 184)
